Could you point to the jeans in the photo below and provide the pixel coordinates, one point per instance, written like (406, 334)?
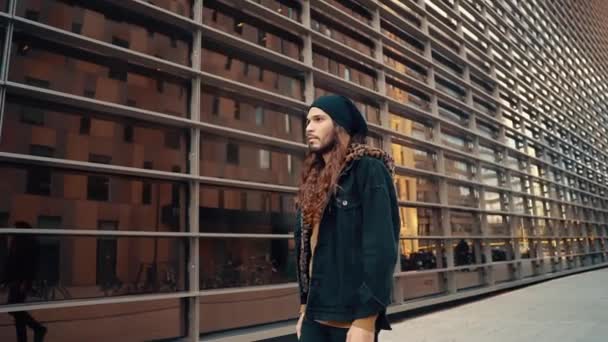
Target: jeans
(313, 331)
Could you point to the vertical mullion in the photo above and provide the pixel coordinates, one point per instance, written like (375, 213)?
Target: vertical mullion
(307, 53)
(6, 51)
(194, 309)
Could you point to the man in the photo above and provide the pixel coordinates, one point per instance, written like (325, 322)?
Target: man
(346, 238)
(21, 271)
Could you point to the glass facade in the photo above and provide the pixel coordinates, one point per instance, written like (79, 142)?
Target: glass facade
(155, 148)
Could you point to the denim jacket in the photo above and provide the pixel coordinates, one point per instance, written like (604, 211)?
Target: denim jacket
(356, 253)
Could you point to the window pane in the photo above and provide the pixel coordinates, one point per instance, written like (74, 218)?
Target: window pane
(82, 200)
(162, 319)
(235, 262)
(252, 29)
(459, 168)
(414, 157)
(342, 34)
(344, 69)
(467, 252)
(225, 210)
(225, 158)
(181, 7)
(106, 24)
(247, 71)
(418, 254)
(220, 109)
(416, 188)
(495, 201)
(48, 65)
(489, 153)
(463, 196)
(455, 141)
(419, 222)
(498, 225)
(78, 267)
(464, 223)
(491, 177)
(119, 141)
(410, 127)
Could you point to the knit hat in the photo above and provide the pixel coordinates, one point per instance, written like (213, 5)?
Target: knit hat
(344, 112)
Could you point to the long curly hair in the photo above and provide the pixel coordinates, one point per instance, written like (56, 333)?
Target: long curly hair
(319, 180)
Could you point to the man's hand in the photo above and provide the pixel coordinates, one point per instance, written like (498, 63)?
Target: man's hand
(356, 334)
(299, 325)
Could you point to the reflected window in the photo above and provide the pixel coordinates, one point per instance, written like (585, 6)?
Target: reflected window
(264, 159)
(80, 267)
(107, 249)
(32, 116)
(232, 153)
(39, 181)
(89, 198)
(242, 262)
(98, 188)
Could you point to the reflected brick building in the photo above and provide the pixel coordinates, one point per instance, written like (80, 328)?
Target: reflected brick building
(155, 147)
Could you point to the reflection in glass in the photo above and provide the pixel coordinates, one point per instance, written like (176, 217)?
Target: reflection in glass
(464, 223)
(227, 158)
(463, 196)
(495, 201)
(410, 127)
(418, 188)
(460, 169)
(236, 262)
(60, 132)
(422, 254)
(225, 210)
(135, 321)
(419, 222)
(181, 7)
(415, 157)
(48, 65)
(467, 252)
(342, 34)
(498, 225)
(501, 250)
(252, 29)
(248, 71)
(94, 20)
(489, 153)
(491, 177)
(342, 68)
(454, 141)
(249, 116)
(78, 267)
(83, 200)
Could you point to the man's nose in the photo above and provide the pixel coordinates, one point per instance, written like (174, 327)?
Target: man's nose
(309, 128)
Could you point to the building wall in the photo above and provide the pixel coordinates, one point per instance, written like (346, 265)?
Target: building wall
(159, 172)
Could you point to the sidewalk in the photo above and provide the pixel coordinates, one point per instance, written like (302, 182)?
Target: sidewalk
(573, 308)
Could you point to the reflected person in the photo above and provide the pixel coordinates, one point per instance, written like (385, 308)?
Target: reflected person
(21, 271)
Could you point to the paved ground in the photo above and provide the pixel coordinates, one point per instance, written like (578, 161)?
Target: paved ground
(568, 309)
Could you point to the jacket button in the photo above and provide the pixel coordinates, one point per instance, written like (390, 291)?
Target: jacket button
(345, 202)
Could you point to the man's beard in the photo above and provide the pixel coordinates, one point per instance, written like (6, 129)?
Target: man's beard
(323, 149)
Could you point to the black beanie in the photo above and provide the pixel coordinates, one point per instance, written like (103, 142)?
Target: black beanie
(344, 112)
